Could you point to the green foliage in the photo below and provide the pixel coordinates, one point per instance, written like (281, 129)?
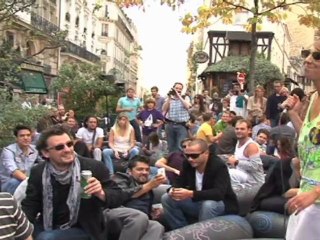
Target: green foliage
(265, 70)
(82, 87)
(12, 114)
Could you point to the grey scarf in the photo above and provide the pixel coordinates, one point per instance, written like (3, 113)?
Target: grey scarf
(72, 177)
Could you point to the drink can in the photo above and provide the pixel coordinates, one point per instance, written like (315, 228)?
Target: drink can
(85, 175)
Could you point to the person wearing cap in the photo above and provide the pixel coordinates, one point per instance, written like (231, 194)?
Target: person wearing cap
(150, 119)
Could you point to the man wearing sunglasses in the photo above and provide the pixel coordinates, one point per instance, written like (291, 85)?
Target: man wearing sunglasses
(54, 200)
(202, 191)
(17, 159)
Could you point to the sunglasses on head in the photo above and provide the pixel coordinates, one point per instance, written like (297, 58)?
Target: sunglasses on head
(315, 55)
(192, 155)
(60, 147)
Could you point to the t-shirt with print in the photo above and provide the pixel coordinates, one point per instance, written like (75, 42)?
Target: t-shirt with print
(309, 151)
(149, 117)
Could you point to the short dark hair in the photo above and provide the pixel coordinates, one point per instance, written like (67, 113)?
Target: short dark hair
(177, 83)
(56, 130)
(133, 161)
(19, 128)
(264, 131)
(185, 140)
(155, 88)
(207, 116)
(130, 88)
(233, 112)
(284, 118)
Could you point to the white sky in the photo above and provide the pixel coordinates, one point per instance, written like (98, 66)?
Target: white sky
(164, 45)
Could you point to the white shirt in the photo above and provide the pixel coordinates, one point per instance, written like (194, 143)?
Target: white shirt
(199, 180)
(86, 135)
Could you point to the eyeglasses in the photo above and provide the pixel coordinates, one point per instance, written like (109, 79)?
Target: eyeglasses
(192, 155)
(60, 147)
(315, 55)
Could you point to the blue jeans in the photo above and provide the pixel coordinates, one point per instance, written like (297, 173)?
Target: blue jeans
(58, 234)
(108, 155)
(176, 213)
(175, 134)
(10, 186)
(137, 131)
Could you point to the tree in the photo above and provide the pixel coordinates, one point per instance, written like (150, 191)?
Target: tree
(272, 10)
(82, 85)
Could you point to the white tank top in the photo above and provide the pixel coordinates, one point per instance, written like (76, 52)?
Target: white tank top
(122, 143)
(239, 152)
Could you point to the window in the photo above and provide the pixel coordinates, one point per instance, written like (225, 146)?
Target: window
(105, 28)
(10, 38)
(106, 12)
(67, 17)
(77, 21)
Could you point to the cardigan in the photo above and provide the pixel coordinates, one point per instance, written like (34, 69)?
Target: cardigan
(216, 184)
(90, 217)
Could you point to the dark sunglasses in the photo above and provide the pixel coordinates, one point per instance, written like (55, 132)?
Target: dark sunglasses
(192, 155)
(60, 147)
(315, 55)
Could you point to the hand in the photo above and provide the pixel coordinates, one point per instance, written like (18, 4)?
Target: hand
(179, 194)
(130, 109)
(116, 155)
(291, 193)
(301, 201)
(293, 103)
(177, 172)
(156, 181)
(232, 161)
(94, 187)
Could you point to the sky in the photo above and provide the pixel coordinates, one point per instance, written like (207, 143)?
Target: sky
(164, 46)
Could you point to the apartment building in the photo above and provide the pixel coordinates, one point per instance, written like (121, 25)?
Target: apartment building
(79, 18)
(30, 34)
(119, 39)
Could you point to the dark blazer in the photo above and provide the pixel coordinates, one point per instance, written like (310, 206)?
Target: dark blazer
(90, 217)
(216, 184)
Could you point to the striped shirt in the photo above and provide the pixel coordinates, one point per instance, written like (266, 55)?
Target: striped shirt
(14, 225)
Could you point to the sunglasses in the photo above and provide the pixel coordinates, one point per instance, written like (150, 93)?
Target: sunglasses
(192, 155)
(315, 55)
(60, 147)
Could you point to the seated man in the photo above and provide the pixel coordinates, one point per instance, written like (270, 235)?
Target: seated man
(205, 131)
(13, 222)
(172, 163)
(17, 159)
(246, 166)
(136, 182)
(63, 207)
(203, 189)
(92, 135)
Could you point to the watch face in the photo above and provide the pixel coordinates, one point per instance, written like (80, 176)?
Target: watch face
(314, 136)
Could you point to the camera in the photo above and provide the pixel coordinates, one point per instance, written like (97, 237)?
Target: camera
(172, 92)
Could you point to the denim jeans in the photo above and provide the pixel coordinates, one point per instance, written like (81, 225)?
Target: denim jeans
(176, 213)
(175, 134)
(108, 155)
(58, 234)
(10, 186)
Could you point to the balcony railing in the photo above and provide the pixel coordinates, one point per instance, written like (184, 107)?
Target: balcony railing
(80, 52)
(43, 24)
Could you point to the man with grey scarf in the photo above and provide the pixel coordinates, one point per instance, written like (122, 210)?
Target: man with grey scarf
(53, 200)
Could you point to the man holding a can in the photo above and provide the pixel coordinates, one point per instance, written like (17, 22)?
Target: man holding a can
(66, 195)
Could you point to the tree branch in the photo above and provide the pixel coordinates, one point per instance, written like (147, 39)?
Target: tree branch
(237, 6)
(10, 11)
(280, 5)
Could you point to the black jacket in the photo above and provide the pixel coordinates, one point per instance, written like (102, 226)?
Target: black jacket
(90, 217)
(216, 184)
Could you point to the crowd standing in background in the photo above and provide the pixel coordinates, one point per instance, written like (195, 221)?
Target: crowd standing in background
(213, 149)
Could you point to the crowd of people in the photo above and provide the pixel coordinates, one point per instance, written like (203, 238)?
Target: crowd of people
(213, 150)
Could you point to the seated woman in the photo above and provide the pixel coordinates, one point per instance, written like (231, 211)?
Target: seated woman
(155, 148)
(281, 182)
(121, 142)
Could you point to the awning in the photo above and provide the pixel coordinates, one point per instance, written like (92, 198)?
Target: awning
(33, 82)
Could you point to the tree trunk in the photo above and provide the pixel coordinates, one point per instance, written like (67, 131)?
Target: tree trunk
(253, 51)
